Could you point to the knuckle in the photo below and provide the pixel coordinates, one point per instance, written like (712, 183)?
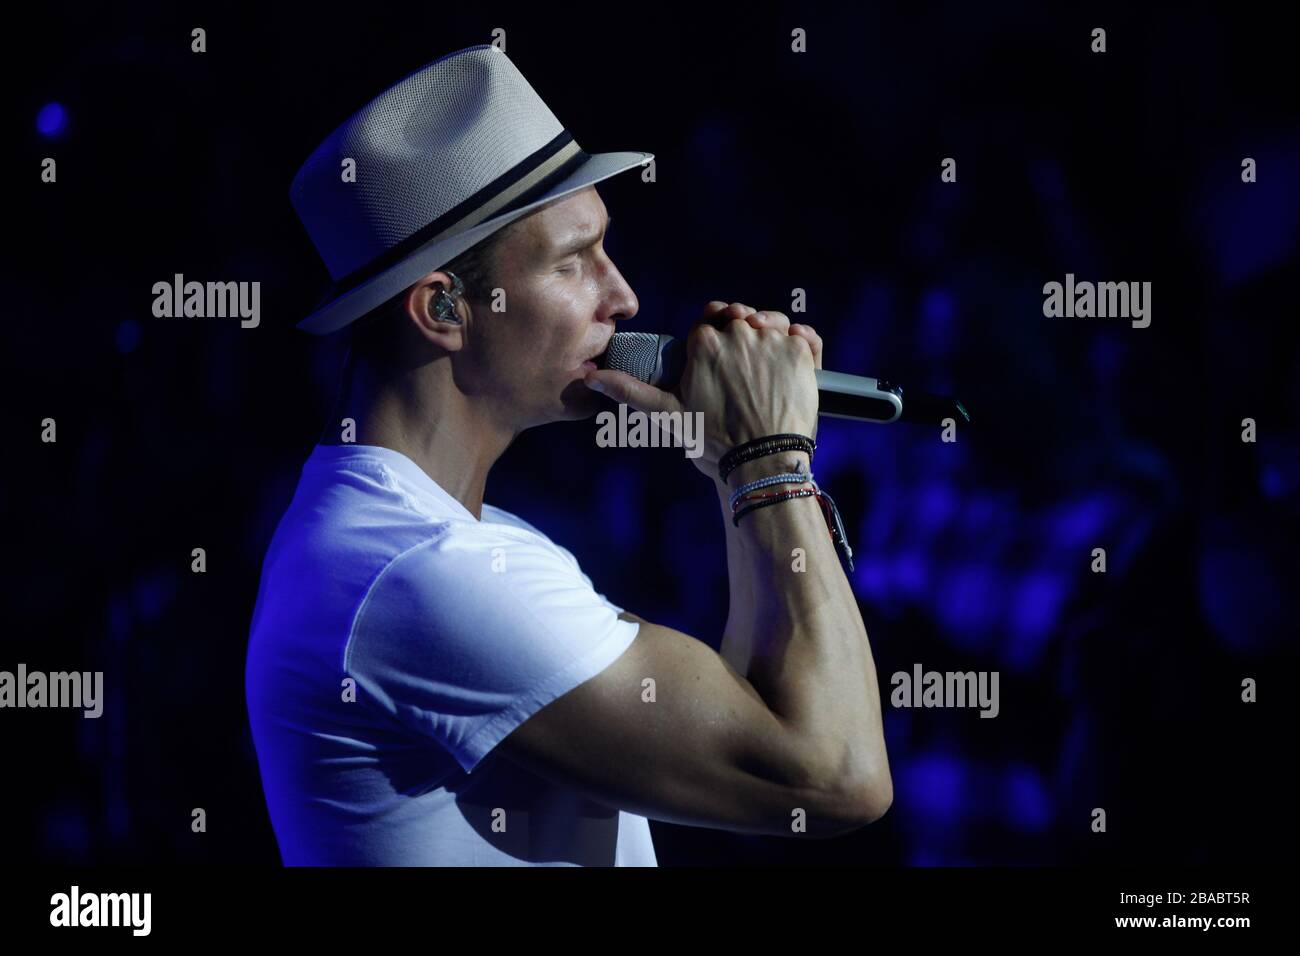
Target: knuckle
(704, 338)
(808, 334)
(702, 332)
(713, 313)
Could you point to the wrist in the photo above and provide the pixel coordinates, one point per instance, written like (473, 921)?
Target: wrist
(780, 462)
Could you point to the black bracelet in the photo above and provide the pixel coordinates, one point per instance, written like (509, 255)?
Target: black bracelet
(774, 500)
(763, 446)
(834, 524)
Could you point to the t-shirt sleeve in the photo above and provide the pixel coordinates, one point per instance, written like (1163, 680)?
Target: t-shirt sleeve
(587, 581)
(568, 555)
(463, 640)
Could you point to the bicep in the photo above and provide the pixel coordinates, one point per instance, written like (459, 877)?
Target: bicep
(735, 652)
(671, 731)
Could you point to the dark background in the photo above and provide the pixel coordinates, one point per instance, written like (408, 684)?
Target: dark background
(774, 171)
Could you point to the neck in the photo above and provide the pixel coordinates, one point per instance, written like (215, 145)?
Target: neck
(422, 414)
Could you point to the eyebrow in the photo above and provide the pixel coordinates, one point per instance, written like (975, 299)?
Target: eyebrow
(579, 242)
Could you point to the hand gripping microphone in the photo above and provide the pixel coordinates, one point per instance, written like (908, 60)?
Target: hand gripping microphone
(658, 360)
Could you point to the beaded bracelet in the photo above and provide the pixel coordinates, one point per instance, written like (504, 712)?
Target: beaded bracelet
(790, 476)
(759, 447)
(771, 494)
(771, 499)
(834, 524)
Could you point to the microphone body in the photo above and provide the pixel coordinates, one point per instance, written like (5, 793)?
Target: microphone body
(659, 359)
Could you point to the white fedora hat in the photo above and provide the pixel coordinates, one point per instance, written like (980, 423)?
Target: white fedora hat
(444, 158)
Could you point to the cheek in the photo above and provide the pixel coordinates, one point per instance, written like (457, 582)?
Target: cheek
(549, 335)
(567, 331)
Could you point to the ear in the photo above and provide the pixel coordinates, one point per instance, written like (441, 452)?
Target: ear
(420, 307)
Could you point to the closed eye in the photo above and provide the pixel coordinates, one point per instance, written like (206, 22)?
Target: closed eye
(580, 247)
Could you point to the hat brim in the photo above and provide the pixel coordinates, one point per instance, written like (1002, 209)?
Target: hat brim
(339, 308)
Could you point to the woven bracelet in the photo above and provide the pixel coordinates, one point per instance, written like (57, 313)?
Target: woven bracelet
(834, 524)
(789, 477)
(759, 447)
(771, 500)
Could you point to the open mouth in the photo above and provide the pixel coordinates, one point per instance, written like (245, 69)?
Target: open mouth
(594, 360)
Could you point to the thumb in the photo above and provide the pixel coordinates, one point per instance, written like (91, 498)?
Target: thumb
(630, 390)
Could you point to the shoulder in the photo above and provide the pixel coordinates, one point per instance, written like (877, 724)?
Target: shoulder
(468, 570)
(474, 594)
(493, 515)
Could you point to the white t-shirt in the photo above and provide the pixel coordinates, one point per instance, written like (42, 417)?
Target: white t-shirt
(449, 632)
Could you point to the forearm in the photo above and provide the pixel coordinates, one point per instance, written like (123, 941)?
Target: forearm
(737, 638)
(797, 635)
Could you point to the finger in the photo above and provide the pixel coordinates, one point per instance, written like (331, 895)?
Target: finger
(721, 318)
(814, 340)
(712, 314)
(629, 390)
(770, 320)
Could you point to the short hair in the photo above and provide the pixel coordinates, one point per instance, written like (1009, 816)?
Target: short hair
(371, 335)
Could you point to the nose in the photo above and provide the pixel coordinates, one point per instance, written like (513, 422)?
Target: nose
(621, 302)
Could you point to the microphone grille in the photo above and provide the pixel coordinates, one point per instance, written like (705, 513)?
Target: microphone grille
(636, 353)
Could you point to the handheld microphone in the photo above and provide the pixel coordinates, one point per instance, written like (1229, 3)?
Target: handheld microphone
(658, 360)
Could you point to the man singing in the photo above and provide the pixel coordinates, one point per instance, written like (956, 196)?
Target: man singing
(430, 679)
